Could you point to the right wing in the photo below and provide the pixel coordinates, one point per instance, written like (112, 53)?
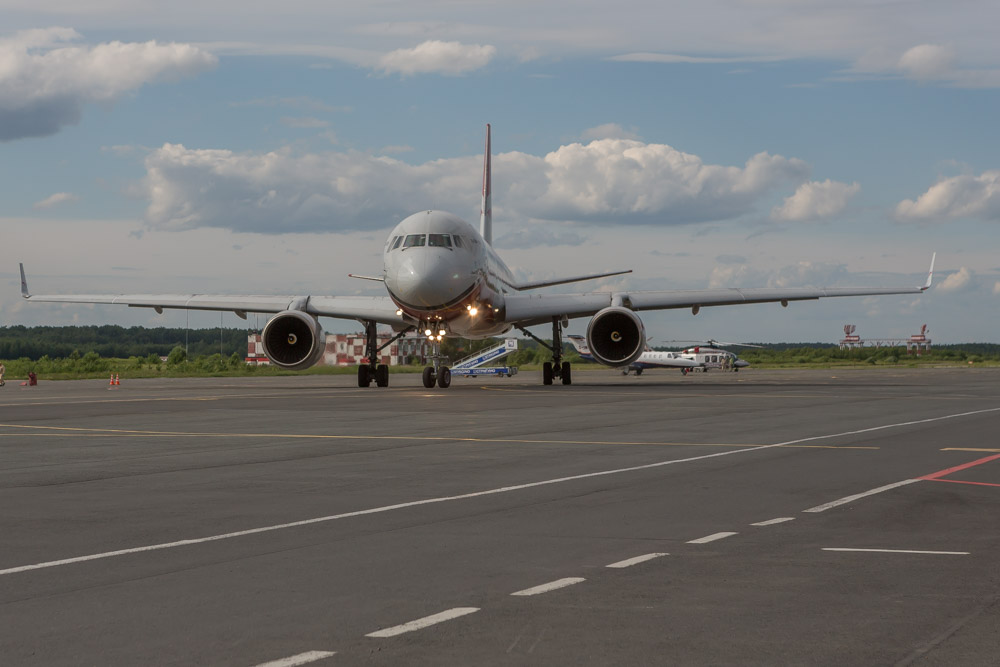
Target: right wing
(531, 309)
(380, 309)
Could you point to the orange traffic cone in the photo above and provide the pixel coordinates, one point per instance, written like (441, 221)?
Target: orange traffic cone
(117, 381)
(111, 382)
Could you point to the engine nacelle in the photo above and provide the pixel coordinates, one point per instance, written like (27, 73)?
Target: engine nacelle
(293, 340)
(616, 336)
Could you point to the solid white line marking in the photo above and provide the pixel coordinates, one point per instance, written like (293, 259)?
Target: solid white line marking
(629, 562)
(902, 551)
(856, 496)
(466, 496)
(551, 586)
(300, 659)
(771, 522)
(711, 538)
(424, 622)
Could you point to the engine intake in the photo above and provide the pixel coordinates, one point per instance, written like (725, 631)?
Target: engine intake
(616, 336)
(293, 340)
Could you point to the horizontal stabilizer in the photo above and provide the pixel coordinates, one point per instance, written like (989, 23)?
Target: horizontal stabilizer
(562, 281)
(378, 279)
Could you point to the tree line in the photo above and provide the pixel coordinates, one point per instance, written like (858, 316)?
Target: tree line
(112, 341)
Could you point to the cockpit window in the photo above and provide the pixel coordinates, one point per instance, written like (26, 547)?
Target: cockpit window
(458, 241)
(439, 240)
(415, 240)
(398, 240)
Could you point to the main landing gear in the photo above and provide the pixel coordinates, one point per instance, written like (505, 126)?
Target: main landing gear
(374, 370)
(437, 374)
(557, 368)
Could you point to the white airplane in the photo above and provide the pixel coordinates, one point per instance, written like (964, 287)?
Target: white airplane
(443, 278)
(648, 359)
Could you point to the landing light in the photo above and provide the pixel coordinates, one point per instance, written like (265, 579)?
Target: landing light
(441, 332)
(399, 311)
(473, 311)
(428, 333)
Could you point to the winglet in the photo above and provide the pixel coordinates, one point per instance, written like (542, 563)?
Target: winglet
(24, 283)
(930, 274)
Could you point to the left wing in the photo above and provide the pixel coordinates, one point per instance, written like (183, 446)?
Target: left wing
(380, 309)
(531, 309)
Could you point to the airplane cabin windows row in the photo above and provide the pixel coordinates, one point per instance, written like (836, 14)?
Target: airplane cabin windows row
(429, 240)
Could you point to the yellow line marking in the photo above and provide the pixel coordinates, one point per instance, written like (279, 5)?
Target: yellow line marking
(968, 449)
(68, 431)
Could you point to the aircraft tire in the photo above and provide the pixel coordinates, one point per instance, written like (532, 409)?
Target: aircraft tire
(547, 372)
(382, 375)
(364, 376)
(444, 377)
(638, 371)
(567, 374)
(428, 377)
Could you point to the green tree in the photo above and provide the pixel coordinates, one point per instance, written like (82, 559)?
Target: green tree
(176, 356)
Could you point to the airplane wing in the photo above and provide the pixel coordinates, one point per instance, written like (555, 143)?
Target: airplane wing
(380, 309)
(532, 309)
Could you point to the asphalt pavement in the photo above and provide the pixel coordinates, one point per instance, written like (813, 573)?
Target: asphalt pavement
(761, 517)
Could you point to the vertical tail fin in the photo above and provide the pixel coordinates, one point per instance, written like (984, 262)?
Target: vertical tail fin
(486, 213)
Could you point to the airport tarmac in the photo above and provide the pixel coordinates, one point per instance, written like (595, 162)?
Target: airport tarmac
(765, 517)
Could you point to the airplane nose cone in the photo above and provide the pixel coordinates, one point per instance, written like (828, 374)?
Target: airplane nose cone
(427, 279)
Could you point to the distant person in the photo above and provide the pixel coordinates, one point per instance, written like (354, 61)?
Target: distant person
(32, 379)
(3, 369)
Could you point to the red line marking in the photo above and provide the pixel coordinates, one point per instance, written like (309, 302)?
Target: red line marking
(942, 473)
(959, 481)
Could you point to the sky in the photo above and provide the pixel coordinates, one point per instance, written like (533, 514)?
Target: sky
(269, 148)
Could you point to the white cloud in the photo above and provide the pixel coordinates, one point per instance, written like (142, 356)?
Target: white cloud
(608, 131)
(964, 196)
(809, 274)
(435, 56)
(957, 281)
(609, 180)
(304, 122)
(927, 62)
(45, 84)
(815, 200)
(55, 200)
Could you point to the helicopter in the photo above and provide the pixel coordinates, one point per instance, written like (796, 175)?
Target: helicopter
(711, 355)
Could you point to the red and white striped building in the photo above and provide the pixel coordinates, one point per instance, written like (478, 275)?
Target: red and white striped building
(349, 350)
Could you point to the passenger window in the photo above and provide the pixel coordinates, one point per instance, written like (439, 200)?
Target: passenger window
(438, 241)
(415, 240)
(395, 244)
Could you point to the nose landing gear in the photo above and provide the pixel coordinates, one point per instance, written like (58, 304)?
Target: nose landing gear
(438, 373)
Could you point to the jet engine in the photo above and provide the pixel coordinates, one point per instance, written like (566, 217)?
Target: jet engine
(293, 339)
(616, 336)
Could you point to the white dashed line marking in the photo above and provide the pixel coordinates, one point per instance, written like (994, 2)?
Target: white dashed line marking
(771, 522)
(857, 496)
(635, 561)
(300, 659)
(711, 538)
(490, 492)
(551, 586)
(902, 551)
(424, 622)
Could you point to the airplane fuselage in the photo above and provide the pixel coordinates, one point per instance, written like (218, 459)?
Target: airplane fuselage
(443, 276)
